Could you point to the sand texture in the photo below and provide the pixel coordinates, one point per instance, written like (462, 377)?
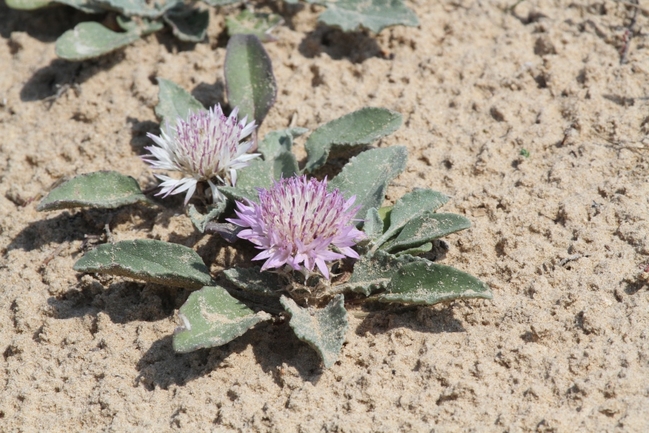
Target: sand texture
(561, 236)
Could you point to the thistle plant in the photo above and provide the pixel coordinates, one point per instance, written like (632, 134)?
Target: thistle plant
(138, 18)
(297, 223)
(204, 147)
(322, 241)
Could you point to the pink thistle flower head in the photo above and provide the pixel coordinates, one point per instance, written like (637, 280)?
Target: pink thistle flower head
(300, 224)
(207, 146)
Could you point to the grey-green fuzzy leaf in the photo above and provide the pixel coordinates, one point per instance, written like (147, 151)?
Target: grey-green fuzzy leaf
(249, 80)
(140, 8)
(367, 176)
(212, 318)
(323, 329)
(188, 24)
(89, 7)
(27, 5)
(277, 142)
(200, 221)
(101, 189)
(425, 228)
(375, 15)
(425, 282)
(142, 26)
(90, 39)
(410, 206)
(359, 128)
(372, 272)
(174, 102)
(240, 193)
(373, 224)
(415, 251)
(149, 260)
(253, 280)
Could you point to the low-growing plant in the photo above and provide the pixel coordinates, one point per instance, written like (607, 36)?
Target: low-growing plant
(320, 240)
(138, 18)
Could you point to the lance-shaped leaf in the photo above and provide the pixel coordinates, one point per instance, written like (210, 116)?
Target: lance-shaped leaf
(255, 281)
(200, 220)
(425, 228)
(425, 282)
(174, 102)
(90, 39)
(253, 23)
(249, 80)
(27, 5)
(410, 206)
(372, 272)
(212, 318)
(367, 176)
(359, 128)
(101, 189)
(149, 260)
(140, 8)
(188, 24)
(323, 329)
(278, 142)
(375, 15)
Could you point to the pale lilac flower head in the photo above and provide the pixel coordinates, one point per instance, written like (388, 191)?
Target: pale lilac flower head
(205, 147)
(298, 223)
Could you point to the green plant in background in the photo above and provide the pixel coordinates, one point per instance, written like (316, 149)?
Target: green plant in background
(138, 18)
(321, 241)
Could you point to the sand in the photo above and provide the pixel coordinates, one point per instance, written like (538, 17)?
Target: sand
(560, 236)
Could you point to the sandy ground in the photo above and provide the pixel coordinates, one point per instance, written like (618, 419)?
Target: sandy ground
(561, 236)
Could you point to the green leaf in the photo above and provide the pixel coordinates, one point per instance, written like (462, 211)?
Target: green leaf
(174, 102)
(253, 23)
(90, 39)
(140, 8)
(425, 228)
(285, 166)
(277, 142)
(101, 189)
(89, 7)
(27, 5)
(249, 80)
(375, 15)
(263, 173)
(361, 127)
(142, 26)
(410, 206)
(188, 24)
(200, 221)
(258, 174)
(323, 329)
(367, 176)
(424, 282)
(239, 193)
(255, 281)
(415, 251)
(149, 260)
(372, 272)
(373, 224)
(212, 318)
